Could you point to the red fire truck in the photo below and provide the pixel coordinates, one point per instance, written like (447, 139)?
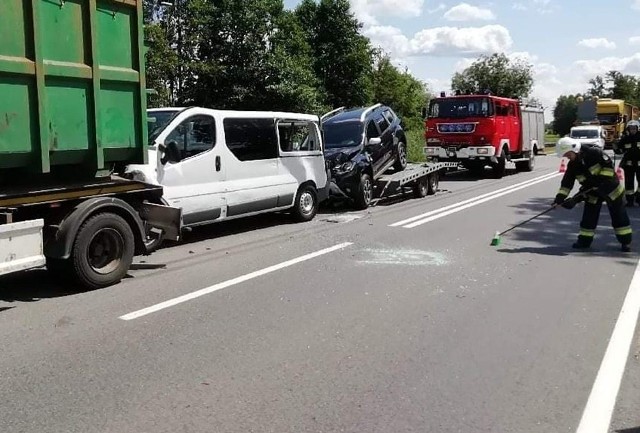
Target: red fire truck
(481, 130)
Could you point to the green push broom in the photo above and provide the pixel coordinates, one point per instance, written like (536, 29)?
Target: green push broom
(497, 238)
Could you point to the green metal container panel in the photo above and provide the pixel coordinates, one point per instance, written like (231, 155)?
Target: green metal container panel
(72, 87)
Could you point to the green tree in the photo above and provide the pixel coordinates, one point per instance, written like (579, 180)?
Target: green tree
(161, 62)
(497, 74)
(343, 58)
(399, 90)
(565, 114)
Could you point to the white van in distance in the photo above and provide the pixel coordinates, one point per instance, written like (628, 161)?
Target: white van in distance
(218, 165)
(589, 135)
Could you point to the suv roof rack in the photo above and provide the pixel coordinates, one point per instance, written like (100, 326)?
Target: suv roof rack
(368, 110)
(332, 113)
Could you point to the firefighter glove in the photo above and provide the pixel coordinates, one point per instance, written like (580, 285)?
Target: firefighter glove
(569, 203)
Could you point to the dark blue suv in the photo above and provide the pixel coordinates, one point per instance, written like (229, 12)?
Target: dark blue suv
(360, 145)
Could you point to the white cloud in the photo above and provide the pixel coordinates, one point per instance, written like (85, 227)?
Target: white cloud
(368, 10)
(437, 9)
(467, 12)
(636, 5)
(598, 43)
(541, 6)
(626, 65)
(634, 40)
(441, 41)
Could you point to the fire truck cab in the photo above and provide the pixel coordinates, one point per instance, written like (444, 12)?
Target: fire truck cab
(481, 130)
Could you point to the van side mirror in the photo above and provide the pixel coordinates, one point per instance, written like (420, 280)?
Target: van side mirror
(171, 153)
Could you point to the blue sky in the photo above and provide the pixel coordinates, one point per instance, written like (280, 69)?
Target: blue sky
(567, 41)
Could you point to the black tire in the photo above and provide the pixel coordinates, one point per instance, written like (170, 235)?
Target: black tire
(500, 169)
(421, 188)
(306, 205)
(527, 165)
(365, 192)
(433, 181)
(401, 157)
(103, 251)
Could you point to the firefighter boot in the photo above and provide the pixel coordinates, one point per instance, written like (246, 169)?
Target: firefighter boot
(625, 248)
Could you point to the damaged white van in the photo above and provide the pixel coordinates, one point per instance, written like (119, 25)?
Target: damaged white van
(218, 165)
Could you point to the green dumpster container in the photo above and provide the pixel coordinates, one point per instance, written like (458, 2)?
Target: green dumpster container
(72, 87)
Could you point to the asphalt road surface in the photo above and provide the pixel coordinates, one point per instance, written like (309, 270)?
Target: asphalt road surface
(399, 319)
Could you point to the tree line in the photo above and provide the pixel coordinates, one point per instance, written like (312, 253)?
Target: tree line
(613, 84)
(258, 55)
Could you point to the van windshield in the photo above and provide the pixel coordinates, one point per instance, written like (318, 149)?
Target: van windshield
(584, 133)
(347, 134)
(455, 108)
(158, 120)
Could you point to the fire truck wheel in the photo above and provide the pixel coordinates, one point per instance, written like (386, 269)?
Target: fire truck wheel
(499, 169)
(528, 165)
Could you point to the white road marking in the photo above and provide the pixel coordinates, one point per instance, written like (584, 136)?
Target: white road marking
(462, 203)
(440, 213)
(232, 282)
(602, 400)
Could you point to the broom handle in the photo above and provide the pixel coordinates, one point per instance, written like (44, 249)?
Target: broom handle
(543, 213)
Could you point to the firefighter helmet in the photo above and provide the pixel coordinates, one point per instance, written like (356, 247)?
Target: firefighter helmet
(567, 144)
(633, 124)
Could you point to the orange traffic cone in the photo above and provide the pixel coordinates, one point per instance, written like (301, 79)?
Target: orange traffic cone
(563, 166)
(620, 174)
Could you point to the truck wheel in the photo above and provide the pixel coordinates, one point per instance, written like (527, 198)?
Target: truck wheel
(305, 207)
(103, 251)
(528, 165)
(421, 188)
(401, 157)
(433, 182)
(365, 192)
(499, 169)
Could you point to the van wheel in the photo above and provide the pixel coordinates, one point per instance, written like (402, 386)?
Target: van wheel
(401, 157)
(103, 251)
(365, 192)
(305, 207)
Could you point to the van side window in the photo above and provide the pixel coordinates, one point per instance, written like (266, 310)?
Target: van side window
(297, 136)
(372, 130)
(194, 135)
(251, 139)
(512, 110)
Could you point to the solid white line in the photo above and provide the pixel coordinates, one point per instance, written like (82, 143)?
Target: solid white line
(433, 212)
(229, 283)
(477, 202)
(602, 400)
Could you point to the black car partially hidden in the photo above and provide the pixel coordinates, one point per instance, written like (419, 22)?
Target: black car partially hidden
(360, 145)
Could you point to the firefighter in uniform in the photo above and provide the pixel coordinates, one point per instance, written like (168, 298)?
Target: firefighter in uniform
(594, 170)
(629, 146)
